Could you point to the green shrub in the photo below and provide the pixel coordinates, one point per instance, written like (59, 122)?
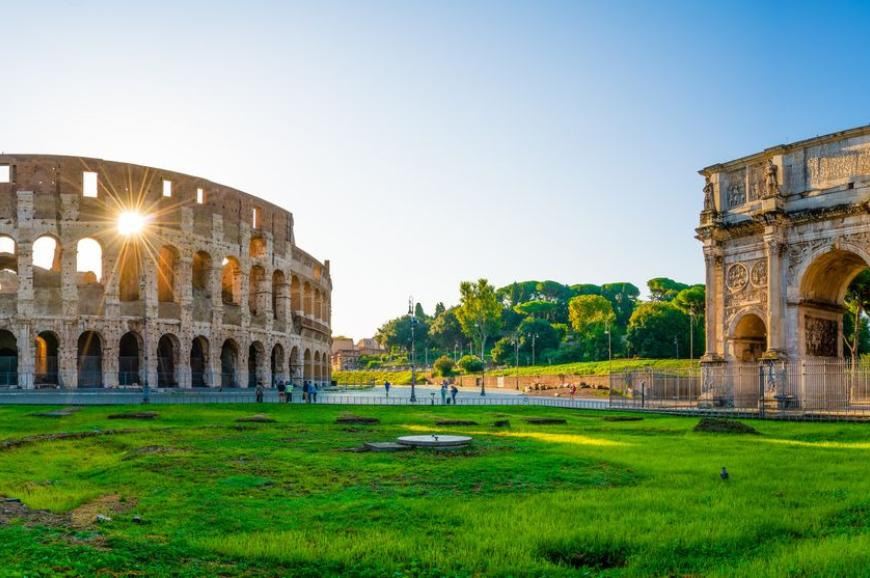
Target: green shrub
(470, 364)
(444, 366)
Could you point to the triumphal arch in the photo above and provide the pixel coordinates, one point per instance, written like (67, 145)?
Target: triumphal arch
(784, 232)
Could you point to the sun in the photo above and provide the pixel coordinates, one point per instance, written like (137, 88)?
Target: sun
(131, 223)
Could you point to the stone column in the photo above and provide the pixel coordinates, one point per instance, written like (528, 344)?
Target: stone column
(714, 276)
(69, 287)
(775, 299)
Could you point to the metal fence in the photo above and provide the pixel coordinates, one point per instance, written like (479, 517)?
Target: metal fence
(814, 386)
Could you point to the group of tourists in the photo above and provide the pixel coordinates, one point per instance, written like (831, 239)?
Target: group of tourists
(446, 390)
(286, 388)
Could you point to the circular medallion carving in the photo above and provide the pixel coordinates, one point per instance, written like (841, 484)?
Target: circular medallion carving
(737, 277)
(758, 275)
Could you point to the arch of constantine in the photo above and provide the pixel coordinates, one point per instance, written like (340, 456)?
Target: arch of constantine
(113, 274)
(784, 232)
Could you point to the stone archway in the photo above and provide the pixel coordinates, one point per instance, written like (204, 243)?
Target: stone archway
(784, 233)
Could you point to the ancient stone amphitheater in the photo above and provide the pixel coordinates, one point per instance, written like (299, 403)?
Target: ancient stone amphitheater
(114, 274)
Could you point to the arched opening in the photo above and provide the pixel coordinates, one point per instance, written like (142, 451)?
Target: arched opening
(229, 364)
(256, 361)
(167, 261)
(324, 367)
(295, 366)
(46, 262)
(255, 289)
(750, 338)
(231, 281)
(318, 305)
(45, 362)
(167, 361)
(833, 284)
(257, 247)
(199, 362)
(8, 358)
(90, 360)
(130, 361)
(129, 266)
(306, 372)
(201, 275)
(279, 295)
(308, 299)
(89, 261)
(277, 363)
(8, 266)
(295, 294)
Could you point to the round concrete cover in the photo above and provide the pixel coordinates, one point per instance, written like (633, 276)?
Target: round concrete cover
(434, 441)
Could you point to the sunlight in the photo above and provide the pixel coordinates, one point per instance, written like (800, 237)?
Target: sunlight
(573, 439)
(131, 223)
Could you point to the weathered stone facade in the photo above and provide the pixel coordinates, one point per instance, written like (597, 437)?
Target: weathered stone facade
(213, 292)
(784, 232)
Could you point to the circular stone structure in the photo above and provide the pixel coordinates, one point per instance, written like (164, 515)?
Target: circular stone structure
(435, 441)
(114, 274)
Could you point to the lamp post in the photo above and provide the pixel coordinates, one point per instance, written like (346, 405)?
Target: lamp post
(609, 347)
(677, 347)
(517, 361)
(413, 321)
(482, 362)
(691, 332)
(534, 337)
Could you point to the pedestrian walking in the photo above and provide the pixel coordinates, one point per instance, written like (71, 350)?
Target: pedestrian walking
(444, 392)
(387, 388)
(573, 390)
(259, 392)
(305, 396)
(282, 396)
(453, 391)
(313, 392)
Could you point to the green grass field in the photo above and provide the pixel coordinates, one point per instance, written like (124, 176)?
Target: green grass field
(615, 498)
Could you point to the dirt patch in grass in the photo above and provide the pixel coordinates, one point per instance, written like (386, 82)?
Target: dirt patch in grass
(18, 442)
(546, 420)
(449, 422)
(502, 423)
(12, 509)
(720, 425)
(257, 418)
(594, 555)
(357, 420)
(622, 418)
(110, 505)
(57, 413)
(134, 415)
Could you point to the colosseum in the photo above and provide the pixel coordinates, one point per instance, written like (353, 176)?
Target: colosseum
(114, 275)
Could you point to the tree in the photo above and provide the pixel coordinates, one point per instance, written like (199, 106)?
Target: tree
(479, 312)
(470, 364)
(623, 297)
(396, 333)
(445, 331)
(654, 326)
(439, 309)
(664, 289)
(419, 313)
(538, 335)
(857, 302)
(691, 301)
(443, 366)
(586, 289)
(537, 308)
(590, 311)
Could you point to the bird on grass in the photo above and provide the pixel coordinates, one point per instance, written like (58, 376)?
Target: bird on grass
(724, 473)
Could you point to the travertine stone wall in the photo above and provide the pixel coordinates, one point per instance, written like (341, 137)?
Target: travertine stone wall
(66, 327)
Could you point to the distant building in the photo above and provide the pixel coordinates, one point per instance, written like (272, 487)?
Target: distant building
(346, 354)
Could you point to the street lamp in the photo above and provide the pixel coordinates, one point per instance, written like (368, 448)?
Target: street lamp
(482, 361)
(609, 347)
(413, 321)
(534, 337)
(691, 332)
(517, 360)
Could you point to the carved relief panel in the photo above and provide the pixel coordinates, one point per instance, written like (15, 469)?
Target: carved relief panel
(746, 284)
(821, 337)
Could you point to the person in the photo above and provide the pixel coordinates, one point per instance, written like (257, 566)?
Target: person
(288, 387)
(313, 392)
(282, 396)
(259, 392)
(573, 390)
(453, 391)
(444, 392)
(387, 388)
(305, 392)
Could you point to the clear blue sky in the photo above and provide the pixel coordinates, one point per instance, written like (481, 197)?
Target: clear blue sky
(421, 144)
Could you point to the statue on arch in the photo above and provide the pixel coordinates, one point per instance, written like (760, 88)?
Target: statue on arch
(771, 181)
(709, 205)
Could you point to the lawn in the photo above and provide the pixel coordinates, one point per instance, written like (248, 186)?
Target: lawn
(581, 368)
(589, 497)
